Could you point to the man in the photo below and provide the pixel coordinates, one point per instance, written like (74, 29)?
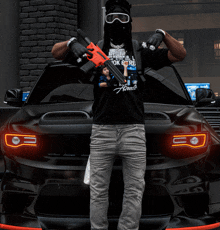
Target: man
(118, 112)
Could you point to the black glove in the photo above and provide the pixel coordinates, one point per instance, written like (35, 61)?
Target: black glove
(155, 40)
(78, 49)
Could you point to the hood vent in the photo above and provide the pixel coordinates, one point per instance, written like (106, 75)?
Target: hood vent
(63, 117)
(156, 116)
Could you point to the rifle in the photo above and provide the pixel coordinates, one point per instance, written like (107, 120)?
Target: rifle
(99, 58)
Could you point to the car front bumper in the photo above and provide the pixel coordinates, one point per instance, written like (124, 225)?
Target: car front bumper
(51, 179)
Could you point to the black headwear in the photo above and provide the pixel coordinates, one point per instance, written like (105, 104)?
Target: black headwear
(122, 4)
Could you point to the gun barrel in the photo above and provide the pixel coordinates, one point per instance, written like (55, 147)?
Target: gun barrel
(115, 71)
(84, 36)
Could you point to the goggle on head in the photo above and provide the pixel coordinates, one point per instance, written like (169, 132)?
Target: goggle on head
(121, 17)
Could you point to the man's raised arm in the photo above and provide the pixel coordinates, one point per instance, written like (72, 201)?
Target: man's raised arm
(60, 49)
(176, 51)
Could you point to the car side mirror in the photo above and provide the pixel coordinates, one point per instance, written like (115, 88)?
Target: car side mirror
(204, 97)
(13, 97)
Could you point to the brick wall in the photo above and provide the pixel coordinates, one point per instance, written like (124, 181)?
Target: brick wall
(42, 24)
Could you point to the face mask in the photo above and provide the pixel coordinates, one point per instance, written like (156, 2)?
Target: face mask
(118, 32)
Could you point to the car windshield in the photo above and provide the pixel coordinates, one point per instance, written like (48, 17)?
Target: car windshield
(165, 86)
(73, 92)
(63, 84)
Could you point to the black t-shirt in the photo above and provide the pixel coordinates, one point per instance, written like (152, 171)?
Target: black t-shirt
(123, 104)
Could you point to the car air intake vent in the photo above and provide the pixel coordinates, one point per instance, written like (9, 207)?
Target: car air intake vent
(212, 115)
(156, 116)
(63, 117)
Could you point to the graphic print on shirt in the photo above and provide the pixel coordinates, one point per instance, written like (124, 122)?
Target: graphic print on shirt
(127, 66)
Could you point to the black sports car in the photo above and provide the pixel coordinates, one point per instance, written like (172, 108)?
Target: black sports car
(45, 146)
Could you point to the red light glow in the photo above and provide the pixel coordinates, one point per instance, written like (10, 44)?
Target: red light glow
(204, 227)
(11, 227)
(18, 140)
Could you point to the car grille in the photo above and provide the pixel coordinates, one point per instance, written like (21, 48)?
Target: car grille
(79, 206)
(74, 199)
(68, 145)
(212, 115)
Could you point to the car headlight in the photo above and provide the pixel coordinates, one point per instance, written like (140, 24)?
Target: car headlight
(180, 145)
(17, 140)
(192, 140)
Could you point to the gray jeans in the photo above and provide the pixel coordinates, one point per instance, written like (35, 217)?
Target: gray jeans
(128, 142)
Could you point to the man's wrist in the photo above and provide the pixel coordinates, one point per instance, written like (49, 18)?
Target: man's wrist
(72, 40)
(160, 31)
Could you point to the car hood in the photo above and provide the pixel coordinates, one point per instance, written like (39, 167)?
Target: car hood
(77, 118)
